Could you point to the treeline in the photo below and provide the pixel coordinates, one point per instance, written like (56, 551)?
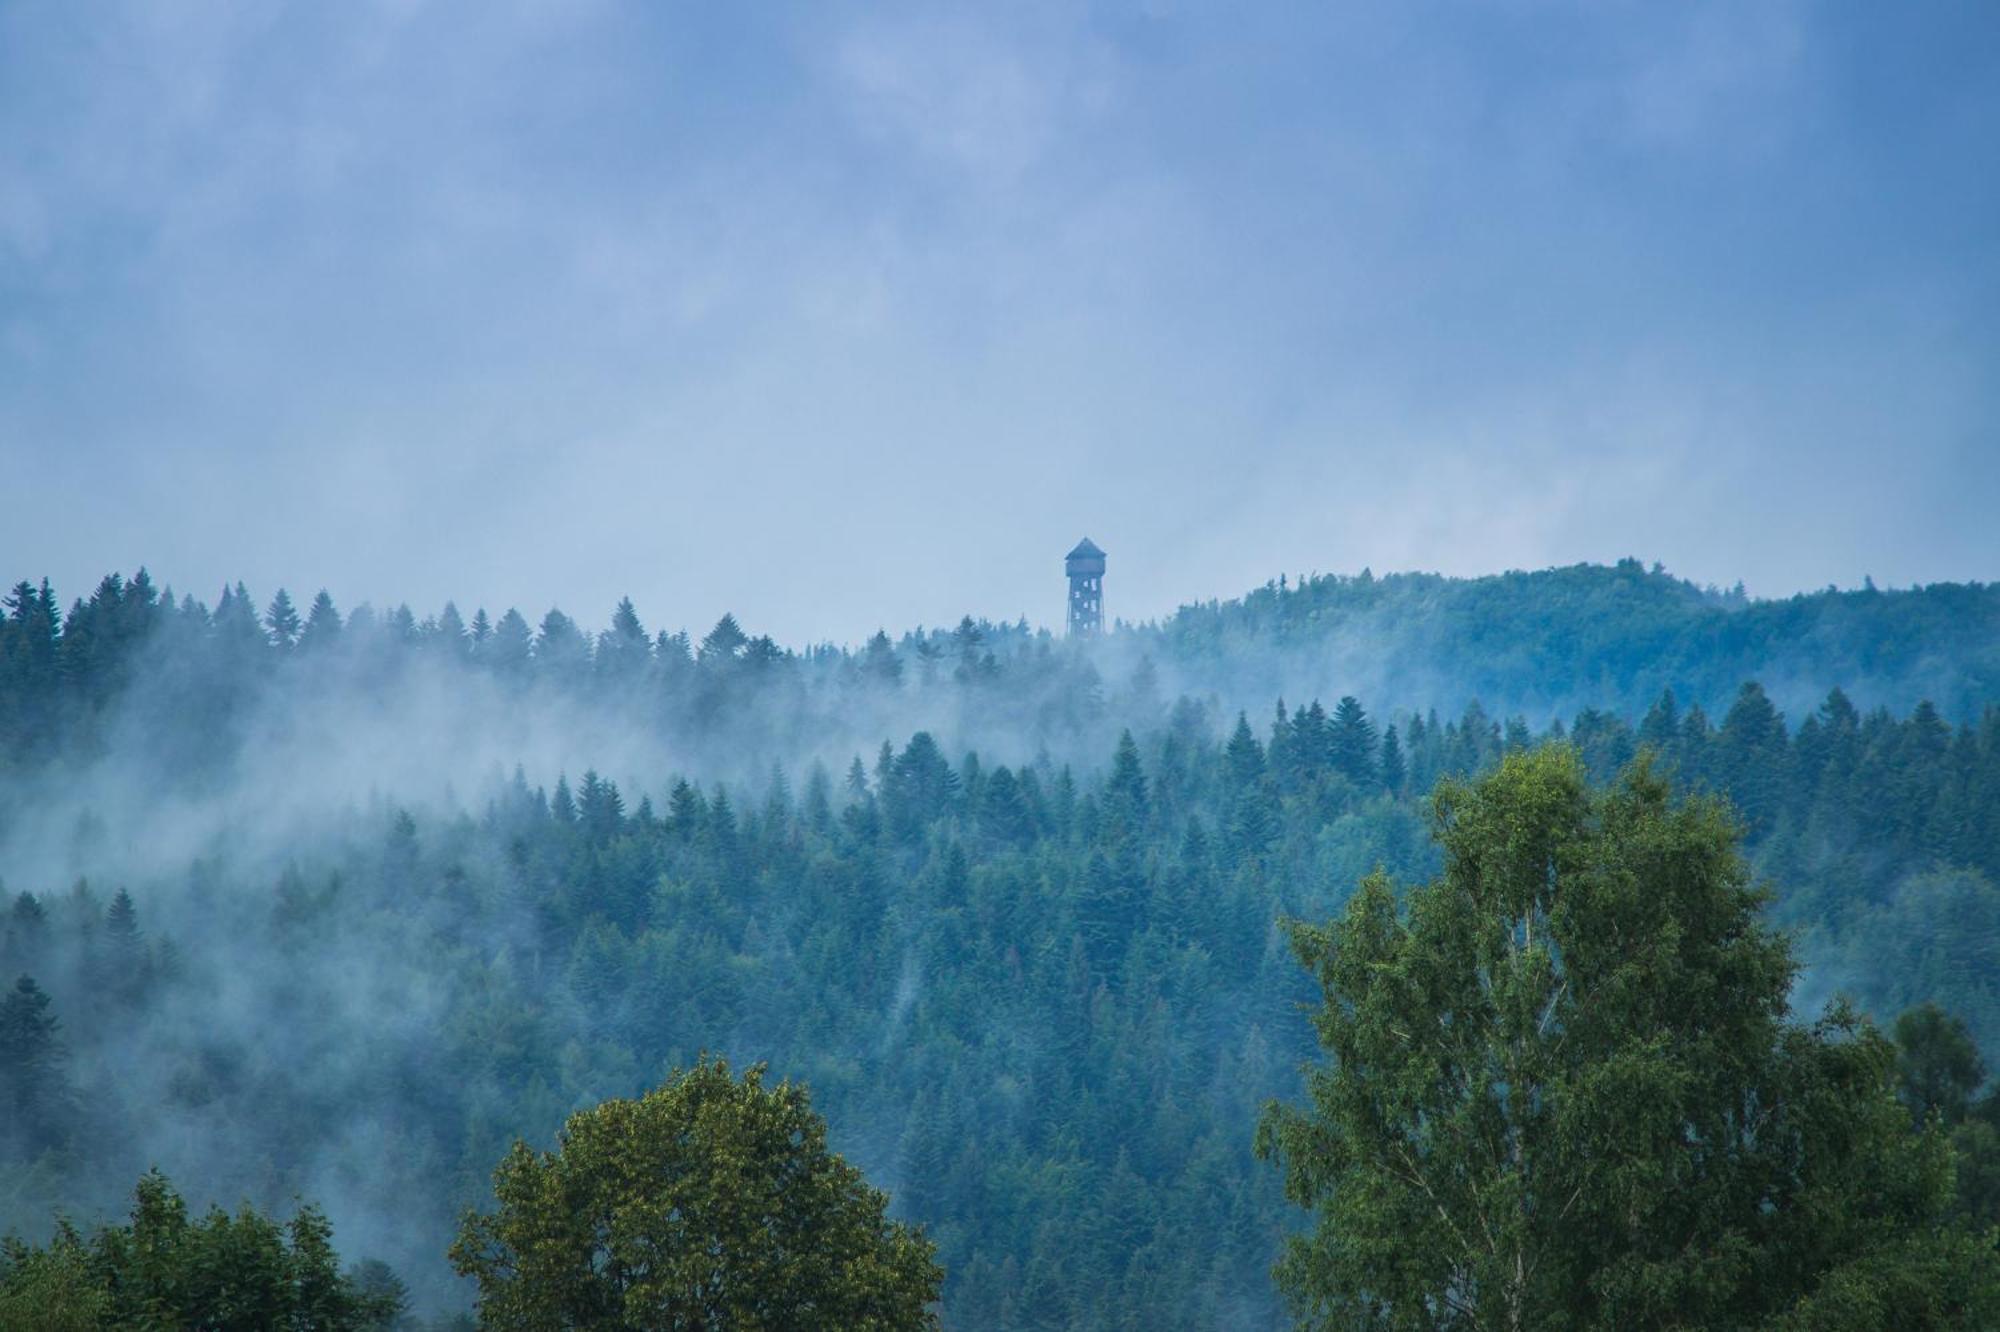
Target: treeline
(1040, 1003)
(1533, 645)
(1555, 641)
(133, 675)
(163, 1268)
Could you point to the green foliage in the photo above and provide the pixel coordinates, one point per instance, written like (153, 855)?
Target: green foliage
(36, 1104)
(51, 1289)
(1938, 1066)
(1562, 1091)
(710, 1202)
(1036, 988)
(220, 1273)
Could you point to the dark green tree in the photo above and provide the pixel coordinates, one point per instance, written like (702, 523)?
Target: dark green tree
(1252, 813)
(1938, 1066)
(36, 1102)
(1353, 743)
(1125, 802)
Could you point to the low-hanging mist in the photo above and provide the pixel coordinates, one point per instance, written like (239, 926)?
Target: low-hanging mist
(339, 905)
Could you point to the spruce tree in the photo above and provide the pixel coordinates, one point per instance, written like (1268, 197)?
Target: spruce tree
(1394, 772)
(322, 628)
(1352, 743)
(35, 1097)
(282, 620)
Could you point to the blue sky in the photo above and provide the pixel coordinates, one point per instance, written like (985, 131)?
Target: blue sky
(845, 315)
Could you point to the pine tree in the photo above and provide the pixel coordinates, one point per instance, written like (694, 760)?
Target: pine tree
(723, 643)
(1751, 747)
(1003, 809)
(562, 653)
(449, 637)
(35, 1098)
(282, 620)
(623, 650)
(511, 651)
(687, 811)
(1393, 771)
(126, 964)
(322, 628)
(1352, 742)
(26, 932)
(238, 633)
(1661, 727)
(600, 811)
(818, 800)
(880, 663)
(1125, 802)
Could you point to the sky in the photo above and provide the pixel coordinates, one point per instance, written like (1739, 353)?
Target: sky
(843, 315)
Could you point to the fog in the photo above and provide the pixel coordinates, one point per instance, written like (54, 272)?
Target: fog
(839, 315)
(348, 956)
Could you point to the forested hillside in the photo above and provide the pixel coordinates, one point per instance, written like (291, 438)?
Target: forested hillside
(1552, 642)
(341, 904)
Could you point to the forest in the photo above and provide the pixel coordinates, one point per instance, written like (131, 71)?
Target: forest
(335, 906)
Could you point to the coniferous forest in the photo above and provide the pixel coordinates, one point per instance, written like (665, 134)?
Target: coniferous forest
(315, 911)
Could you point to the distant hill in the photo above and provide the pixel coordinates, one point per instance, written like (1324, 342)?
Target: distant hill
(1551, 642)
(131, 671)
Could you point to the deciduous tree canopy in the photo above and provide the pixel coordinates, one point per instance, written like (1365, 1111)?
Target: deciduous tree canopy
(711, 1203)
(1562, 1089)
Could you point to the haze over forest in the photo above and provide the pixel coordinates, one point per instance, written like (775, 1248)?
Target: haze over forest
(334, 905)
(531, 563)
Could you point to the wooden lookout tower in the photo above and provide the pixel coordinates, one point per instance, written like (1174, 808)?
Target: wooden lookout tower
(1085, 567)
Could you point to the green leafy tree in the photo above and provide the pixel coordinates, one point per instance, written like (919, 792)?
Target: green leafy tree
(161, 1270)
(51, 1289)
(1563, 1091)
(708, 1203)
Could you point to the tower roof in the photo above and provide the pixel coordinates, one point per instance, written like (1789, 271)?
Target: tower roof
(1086, 549)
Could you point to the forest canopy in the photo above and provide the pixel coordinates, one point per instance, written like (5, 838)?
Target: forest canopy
(1563, 1089)
(299, 894)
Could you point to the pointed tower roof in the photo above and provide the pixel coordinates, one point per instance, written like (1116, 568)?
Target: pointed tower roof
(1086, 549)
